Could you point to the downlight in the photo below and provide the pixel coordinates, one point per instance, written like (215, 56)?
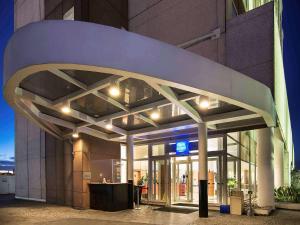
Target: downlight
(66, 108)
(75, 134)
(204, 102)
(109, 125)
(114, 89)
(155, 115)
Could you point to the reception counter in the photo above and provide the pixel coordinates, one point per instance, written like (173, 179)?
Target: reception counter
(109, 197)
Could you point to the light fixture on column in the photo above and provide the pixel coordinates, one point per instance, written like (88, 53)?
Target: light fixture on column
(66, 108)
(155, 115)
(204, 102)
(75, 134)
(114, 89)
(109, 125)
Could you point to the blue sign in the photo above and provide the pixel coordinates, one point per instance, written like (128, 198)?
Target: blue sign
(182, 148)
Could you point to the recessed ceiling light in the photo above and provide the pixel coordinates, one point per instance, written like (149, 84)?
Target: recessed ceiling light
(204, 103)
(109, 125)
(155, 115)
(114, 90)
(65, 109)
(75, 135)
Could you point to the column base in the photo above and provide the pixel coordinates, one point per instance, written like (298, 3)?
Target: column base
(203, 199)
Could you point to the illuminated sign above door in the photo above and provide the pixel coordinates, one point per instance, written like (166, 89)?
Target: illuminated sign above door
(182, 148)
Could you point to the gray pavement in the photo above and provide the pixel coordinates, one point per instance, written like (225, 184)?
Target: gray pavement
(15, 212)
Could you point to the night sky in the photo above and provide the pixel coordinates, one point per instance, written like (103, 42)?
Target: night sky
(291, 26)
(291, 58)
(6, 113)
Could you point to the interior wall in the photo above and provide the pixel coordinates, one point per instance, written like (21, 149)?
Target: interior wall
(102, 153)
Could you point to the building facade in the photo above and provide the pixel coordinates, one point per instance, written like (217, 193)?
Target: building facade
(187, 98)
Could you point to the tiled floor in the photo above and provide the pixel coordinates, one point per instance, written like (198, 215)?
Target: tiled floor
(22, 212)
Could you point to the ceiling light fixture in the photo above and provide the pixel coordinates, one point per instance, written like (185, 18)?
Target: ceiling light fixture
(114, 89)
(109, 125)
(204, 102)
(66, 108)
(75, 134)
(155, 115)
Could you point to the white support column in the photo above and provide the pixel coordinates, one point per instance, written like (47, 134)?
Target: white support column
(202, 146)
(265, 171)
(129, 150)
(278, 163)
(287, 173)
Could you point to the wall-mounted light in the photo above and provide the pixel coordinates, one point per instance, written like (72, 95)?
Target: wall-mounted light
(109, 125)
(114, 89)
(155, 115)
(204, 102)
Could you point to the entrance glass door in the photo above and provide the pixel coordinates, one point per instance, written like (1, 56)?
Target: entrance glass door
(184, 180)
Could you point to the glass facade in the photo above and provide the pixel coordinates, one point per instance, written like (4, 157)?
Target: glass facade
(173, 179)
(140, 168)
(169, 178)
(241, 161)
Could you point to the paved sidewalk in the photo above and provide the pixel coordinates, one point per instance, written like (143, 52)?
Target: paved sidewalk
(15, 212)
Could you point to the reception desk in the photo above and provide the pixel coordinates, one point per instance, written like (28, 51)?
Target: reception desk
(109, 197)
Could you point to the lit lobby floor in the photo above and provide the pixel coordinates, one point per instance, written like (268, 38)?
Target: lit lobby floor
(13, 212)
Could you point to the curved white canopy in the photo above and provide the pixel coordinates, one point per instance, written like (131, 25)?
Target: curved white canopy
(58, 45)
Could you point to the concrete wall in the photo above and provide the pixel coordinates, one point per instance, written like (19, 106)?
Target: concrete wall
(42, 164)
(87, 151)
(55, 9)
(178, 21)
(30, 160)
(107, 12)
(29, 139)
(54, 170)
(68, 173)
(250, 44)
(59, 174)
(27, 11)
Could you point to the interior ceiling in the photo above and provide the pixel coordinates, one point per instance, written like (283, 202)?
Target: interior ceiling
(88, 95)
